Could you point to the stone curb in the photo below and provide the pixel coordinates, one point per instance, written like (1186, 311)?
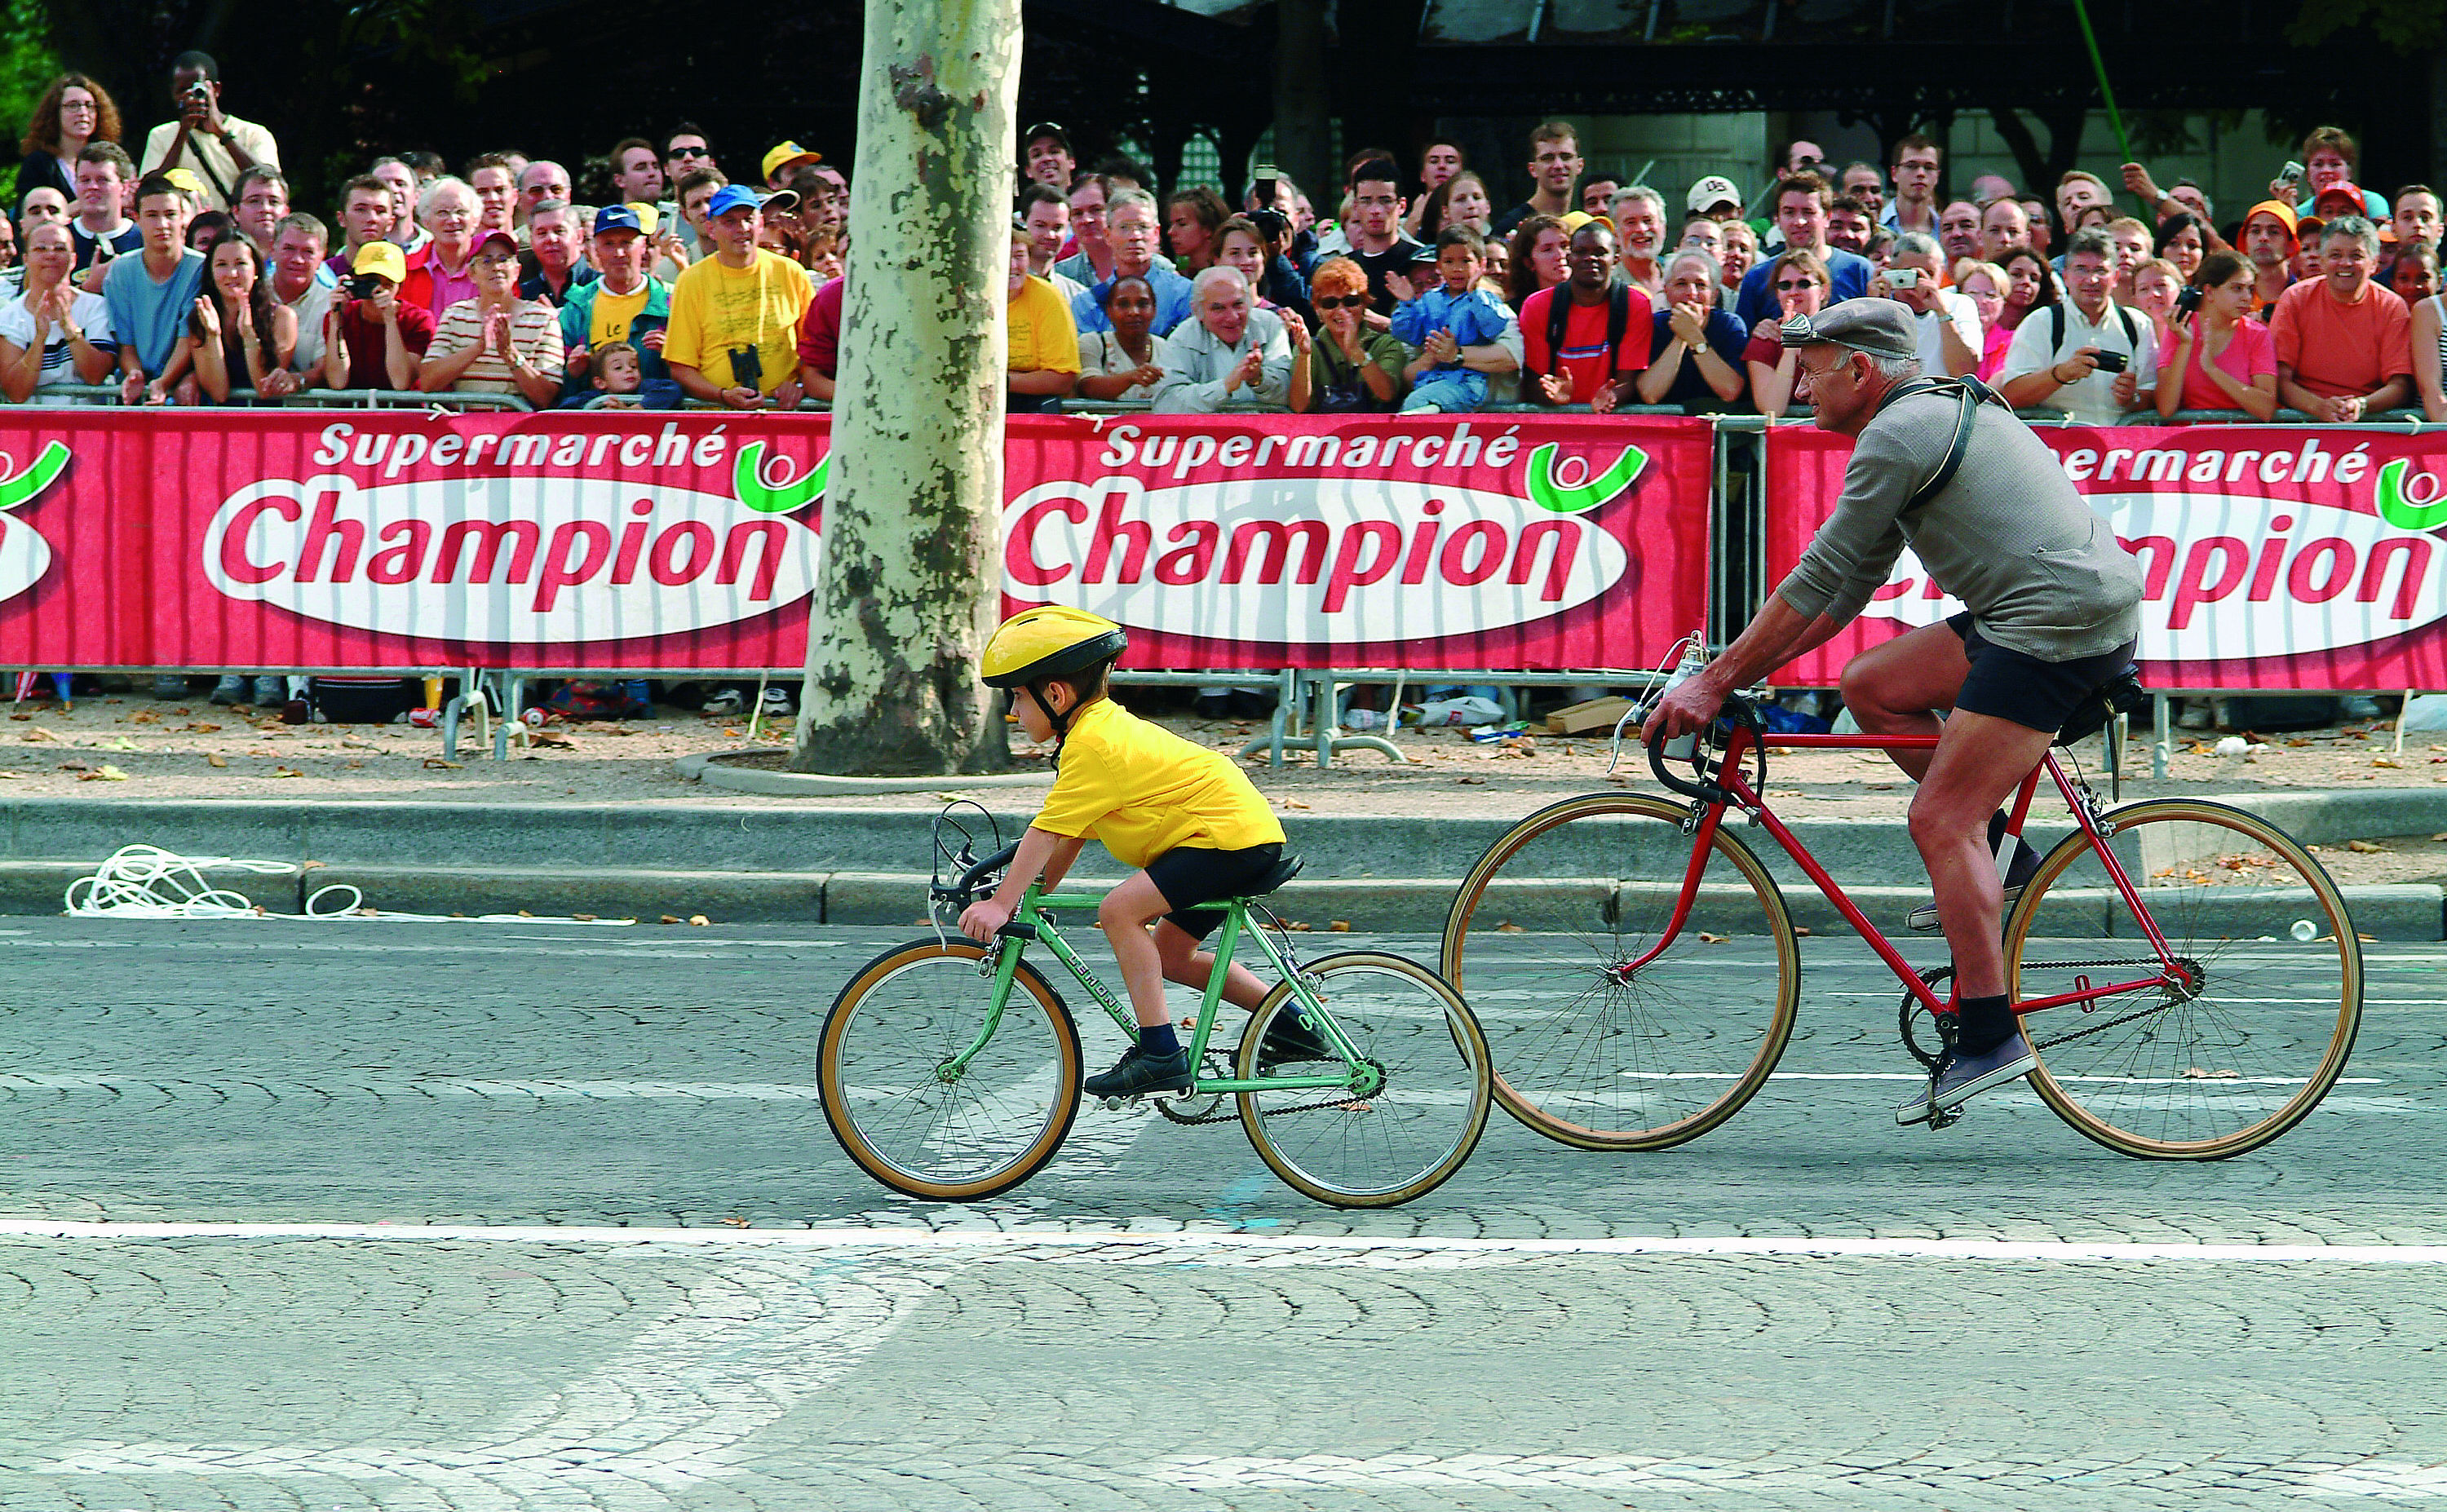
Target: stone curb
(710, 768)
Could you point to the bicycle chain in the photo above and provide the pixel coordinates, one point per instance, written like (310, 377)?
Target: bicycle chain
(2085, 1031)
(1340, 1100)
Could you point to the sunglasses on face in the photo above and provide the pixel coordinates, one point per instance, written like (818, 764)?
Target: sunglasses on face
(1797, 284)
(1339, 302)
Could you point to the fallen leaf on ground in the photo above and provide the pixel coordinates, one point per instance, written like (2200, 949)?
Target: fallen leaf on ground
(1508, 927)
(1297, 927)
(1472, 781)
(1294, 803)
(8, 777)
(736, 1222)
(144, 717)
(199, 727)
(2384, 760)
(2198, 1074)
(583, 919)
(104, 774)
(30, 716)
(38, 733)
(1714, 939)
(435, 764)
(1339, 926)
(670, 918)
(2367, 848)
(287, 771)
(699, 920)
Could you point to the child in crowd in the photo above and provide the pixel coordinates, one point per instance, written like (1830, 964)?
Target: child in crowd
(1185, 815)
(1457, 310)
(617, 372)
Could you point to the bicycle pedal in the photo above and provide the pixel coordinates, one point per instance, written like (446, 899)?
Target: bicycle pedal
(1946, 1117)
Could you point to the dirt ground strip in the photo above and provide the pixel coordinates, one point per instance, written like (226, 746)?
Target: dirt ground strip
(129, 745)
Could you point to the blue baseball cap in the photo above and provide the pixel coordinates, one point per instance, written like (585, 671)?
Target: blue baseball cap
(728, 198)
(616, 218)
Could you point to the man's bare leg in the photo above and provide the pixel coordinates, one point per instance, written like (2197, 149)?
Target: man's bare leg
(1980, 760)
(1893, 688)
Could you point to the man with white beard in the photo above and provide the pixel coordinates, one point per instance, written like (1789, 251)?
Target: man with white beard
(1639, 215)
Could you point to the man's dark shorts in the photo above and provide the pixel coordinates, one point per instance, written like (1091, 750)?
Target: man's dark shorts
(1189, 875)
(2033, 693)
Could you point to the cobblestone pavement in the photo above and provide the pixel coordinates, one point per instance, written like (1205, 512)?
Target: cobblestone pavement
(210, 1130)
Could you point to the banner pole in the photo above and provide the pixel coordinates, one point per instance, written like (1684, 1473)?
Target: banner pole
(2106, 90)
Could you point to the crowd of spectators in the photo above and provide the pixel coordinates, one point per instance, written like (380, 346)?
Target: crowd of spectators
(181, 274)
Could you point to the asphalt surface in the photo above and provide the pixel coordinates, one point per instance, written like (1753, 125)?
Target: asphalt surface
(305, 1216)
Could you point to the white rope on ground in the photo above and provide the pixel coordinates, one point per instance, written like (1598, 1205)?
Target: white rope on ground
(146, 881)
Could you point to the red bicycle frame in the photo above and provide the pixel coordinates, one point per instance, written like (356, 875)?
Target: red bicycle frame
(1731, 779)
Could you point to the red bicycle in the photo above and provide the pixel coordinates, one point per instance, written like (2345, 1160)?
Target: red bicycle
(2189, 975)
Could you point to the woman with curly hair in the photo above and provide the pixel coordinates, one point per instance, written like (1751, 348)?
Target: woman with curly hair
(72, 112)
(1536, 257)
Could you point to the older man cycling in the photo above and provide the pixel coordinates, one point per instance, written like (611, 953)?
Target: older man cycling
(1944, 468)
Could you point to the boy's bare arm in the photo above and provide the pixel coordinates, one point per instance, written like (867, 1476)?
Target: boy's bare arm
(1041, 851)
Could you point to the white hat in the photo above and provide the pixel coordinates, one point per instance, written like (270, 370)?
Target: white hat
(1716, 189)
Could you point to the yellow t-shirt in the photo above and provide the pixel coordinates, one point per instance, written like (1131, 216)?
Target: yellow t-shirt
(716, 309)
(1144, 791)
(613, 314)
(1043, 335)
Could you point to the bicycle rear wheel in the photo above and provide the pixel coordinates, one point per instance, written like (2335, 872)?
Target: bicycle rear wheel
(884, 1069)
(2248, 1048)
(1399, 1140)
(1596, 1045)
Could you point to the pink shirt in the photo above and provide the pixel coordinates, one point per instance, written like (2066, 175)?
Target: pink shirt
(2252, 352)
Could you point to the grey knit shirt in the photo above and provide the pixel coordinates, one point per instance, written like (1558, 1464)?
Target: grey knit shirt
(2042, 572)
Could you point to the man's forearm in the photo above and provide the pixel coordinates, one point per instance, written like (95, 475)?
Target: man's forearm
(1775, 634)
(692, 382)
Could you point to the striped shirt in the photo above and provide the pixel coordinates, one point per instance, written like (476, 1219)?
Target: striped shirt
(92, 317)
(535, 330)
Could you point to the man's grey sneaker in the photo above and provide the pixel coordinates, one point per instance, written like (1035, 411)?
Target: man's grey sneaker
(1959, 1077)
(1137, 1072)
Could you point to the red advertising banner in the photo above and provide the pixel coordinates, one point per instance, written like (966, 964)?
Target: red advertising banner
(2273, 556)
(406, 539)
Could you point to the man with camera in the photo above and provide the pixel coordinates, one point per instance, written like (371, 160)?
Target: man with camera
(205, 141)
(372, 338)
(2084, 354)
(735, 332)
(1948, 324)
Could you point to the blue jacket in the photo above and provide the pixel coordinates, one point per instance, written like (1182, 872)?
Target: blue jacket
(660, 391)
(1171, 301)
(1473, 316)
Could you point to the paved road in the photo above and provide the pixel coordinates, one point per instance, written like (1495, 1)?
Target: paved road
(1809, 1308)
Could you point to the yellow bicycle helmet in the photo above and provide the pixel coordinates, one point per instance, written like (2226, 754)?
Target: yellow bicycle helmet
(1050, 642)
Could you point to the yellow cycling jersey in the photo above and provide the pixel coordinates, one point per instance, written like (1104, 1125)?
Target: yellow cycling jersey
(1144, 791)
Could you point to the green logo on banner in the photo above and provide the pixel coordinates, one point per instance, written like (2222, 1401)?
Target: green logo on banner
(2402, 512)
(1549, 495)
(44, 472)
(748, 481)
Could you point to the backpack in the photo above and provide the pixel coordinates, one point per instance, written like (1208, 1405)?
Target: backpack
(2123, 316)
(1559, 314)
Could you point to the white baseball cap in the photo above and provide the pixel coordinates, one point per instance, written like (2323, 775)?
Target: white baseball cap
(1716, 189)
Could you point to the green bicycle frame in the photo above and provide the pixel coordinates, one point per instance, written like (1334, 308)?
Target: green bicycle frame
(1034, 915)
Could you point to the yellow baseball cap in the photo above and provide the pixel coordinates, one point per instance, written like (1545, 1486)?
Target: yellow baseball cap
(186, 180)
(383, 257)
(785, 154)
(648, 216)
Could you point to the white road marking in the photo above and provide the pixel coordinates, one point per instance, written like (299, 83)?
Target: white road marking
(2394, 1480)
(1109, 1245)
(1923, 1076)
(681, 1400)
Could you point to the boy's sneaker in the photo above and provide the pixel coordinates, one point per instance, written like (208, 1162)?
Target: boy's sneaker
(1289, 1039)
(230, 690)
(1961, 1076)
(1137, 1072)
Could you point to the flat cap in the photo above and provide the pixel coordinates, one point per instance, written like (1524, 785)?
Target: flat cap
(1881, 327)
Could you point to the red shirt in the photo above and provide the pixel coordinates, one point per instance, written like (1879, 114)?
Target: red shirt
(2250, 351)
(1585, 356)
(362, 329)
(820, 330)
(2343, 350)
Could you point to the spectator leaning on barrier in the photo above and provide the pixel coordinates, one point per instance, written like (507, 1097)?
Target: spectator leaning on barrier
(1345, 367)
(1586, 342)
(302, 285)
(73, 112)
(1041, 348)
(496, 343)
(1948, 324)
(1918, 163)
(1234, 353)
(736, 315)
(2084, 356)
(1450, 313)
(1555, 165)
(2343, 343)
(2216, 356)
(151, 293)
(1985, 285)
(239, 337)
(53, 333)
(1638, 216)
(819, 347)
(624, 305)
(375, 336)
(1124, 362)
(1131, 227)
(214, 146)
(102, 230)
(553, 247)
(1694, 349)
(1801, 213)
(440, 274)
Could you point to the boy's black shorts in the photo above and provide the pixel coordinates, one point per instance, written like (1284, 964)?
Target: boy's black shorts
(1190, 875)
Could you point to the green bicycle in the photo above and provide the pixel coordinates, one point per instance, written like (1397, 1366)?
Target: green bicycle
(951, 1070)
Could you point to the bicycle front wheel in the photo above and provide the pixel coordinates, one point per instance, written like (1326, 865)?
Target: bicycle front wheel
(1404, 1135)
(913, 1118)
(2260, 1028)
(1603, 1040)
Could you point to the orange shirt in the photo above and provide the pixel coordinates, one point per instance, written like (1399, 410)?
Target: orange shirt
(2339, 349)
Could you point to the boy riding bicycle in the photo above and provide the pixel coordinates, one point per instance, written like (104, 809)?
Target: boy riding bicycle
(1190, 819)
